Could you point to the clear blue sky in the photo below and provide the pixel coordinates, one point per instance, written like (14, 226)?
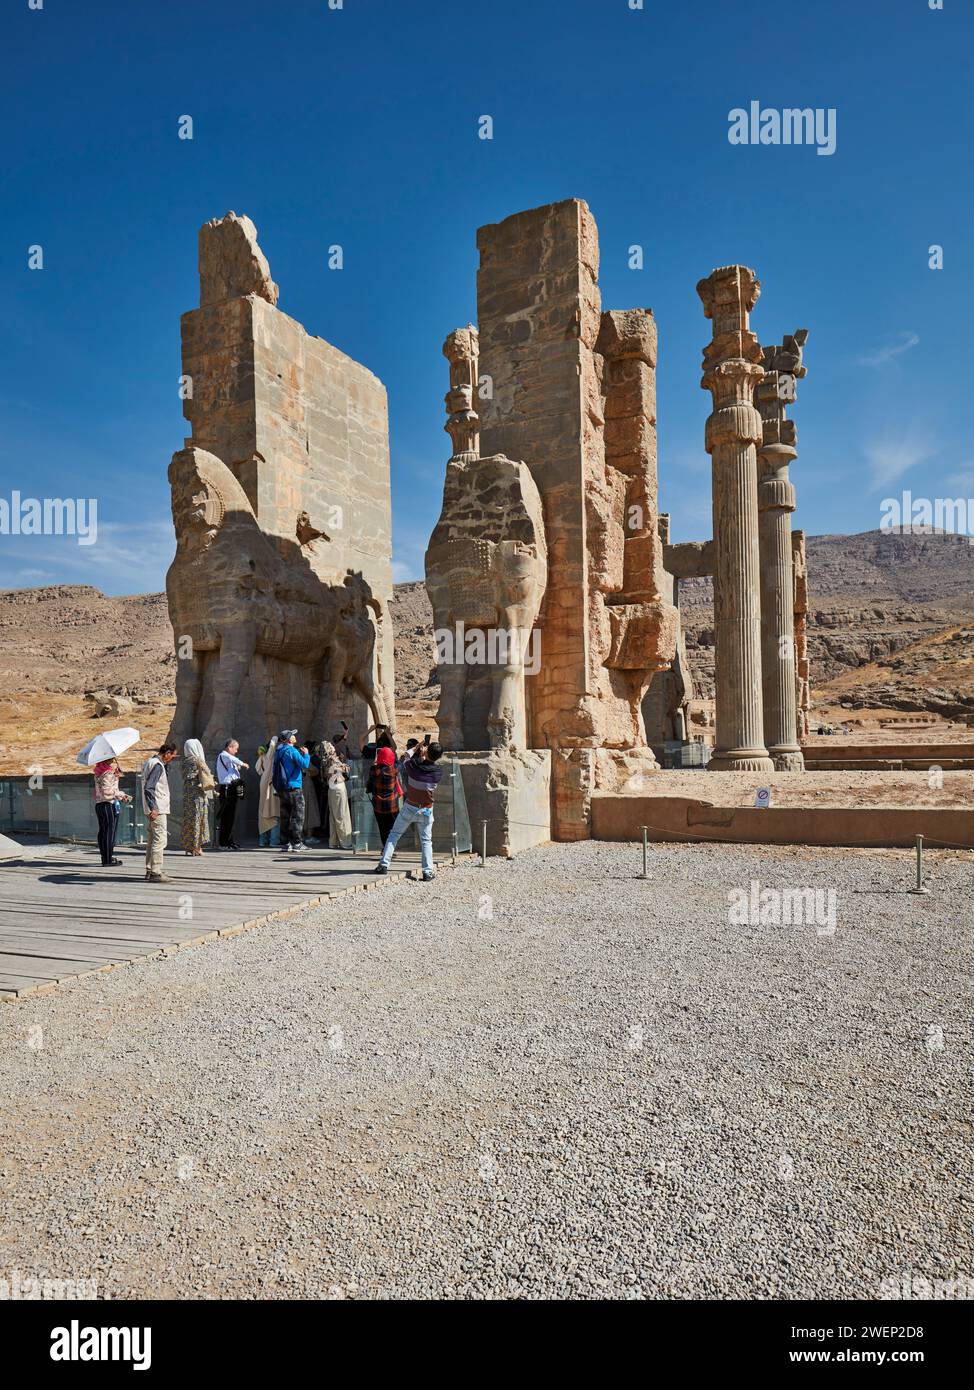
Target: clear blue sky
(359, 126)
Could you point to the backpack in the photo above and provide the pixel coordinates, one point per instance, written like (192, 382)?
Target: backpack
(279, 776)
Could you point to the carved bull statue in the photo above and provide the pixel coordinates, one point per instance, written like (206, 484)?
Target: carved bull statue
(233, 594)
(486, 573)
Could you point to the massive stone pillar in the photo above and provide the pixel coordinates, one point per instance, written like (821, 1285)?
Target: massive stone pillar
(731, 370)
(304, 431)
(486, 572)
(571, 393)
(776, 502)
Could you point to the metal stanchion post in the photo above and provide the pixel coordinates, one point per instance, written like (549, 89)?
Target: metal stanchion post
(645, 872)
(919, 885)
(483, 844)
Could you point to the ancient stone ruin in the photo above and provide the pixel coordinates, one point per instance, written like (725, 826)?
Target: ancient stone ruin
(783, 366)
(567, 414)
(554, 586)
(758, 568)
(486, 573)
(550, 517)
(279, 591)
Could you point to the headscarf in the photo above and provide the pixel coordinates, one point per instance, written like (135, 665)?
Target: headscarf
(331, 764)
(102, 768)
(193, 750)
(384, 757)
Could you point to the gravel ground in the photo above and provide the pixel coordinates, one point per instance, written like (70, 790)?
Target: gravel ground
(544, 1079)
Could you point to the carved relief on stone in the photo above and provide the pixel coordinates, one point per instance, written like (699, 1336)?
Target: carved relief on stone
(486, 573)
(234, 595)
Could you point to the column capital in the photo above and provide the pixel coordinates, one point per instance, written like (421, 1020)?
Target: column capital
(784, 367)
(461, 349)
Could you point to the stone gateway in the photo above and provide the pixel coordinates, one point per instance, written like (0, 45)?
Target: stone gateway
(279, 591)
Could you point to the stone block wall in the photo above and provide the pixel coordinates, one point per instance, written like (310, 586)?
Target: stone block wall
(301, 425)
(571, 393)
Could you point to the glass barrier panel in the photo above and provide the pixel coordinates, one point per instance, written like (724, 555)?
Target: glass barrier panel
(28, 806)
(71, 811)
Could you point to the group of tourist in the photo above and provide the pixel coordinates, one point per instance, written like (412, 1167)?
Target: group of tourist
(296, 780)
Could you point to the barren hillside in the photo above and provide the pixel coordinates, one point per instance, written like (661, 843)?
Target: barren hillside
(886, 623)
(891, 627)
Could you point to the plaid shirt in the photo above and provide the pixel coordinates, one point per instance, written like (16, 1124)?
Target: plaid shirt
(383, 787)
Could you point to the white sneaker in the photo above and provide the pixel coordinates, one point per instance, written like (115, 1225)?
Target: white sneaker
(299, 849)
(287, 849)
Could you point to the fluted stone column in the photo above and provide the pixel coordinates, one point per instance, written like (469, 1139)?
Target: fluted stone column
(776, 502)
(731, 370)
(803, 695)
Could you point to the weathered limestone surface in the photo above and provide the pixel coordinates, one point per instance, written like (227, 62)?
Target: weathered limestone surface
(776, 501)
(268, 640)
(800, 578)
(303, 430)
(231, 262)
(690, 559)
(510, 789)
(486, 572)
(572, 395)
(731, 370)
(666, 704)
(461, 350)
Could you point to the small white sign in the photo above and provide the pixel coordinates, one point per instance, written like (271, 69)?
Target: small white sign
(762, 798)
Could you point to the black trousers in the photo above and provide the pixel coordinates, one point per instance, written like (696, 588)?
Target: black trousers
(228, 812)
(292, 815)
(107, 814)
(385, 820)
(321, 797)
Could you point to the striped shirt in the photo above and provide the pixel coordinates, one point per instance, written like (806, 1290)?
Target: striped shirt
(421, 779)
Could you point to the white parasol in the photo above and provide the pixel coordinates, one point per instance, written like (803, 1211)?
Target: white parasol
(103, 747)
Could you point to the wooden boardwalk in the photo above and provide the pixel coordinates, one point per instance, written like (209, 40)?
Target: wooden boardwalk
(62, 915)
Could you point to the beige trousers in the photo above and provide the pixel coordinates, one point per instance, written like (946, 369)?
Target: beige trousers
(339, 818)
(156, 836)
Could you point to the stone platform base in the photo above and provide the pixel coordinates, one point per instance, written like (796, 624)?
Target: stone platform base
(578, 773)
(511, 791)
(681, 818)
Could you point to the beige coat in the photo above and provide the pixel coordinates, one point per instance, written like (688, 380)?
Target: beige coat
(269, 809)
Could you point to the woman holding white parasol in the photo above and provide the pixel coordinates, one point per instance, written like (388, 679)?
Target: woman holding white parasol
(101, 754)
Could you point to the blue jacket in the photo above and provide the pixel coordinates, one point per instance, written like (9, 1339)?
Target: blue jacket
(294, 763)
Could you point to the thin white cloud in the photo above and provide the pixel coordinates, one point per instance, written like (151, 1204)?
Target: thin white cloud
(405, 572)
(903, 342)
(889, 458)
(963, 480)
(126, 557)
